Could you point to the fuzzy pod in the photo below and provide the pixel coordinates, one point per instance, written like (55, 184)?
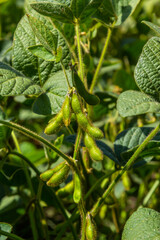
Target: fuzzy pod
(66, 111)
(94, 132)
(45, 176)
(77, 194)
(66, 190)
(86, 159)
(82, 120)
(95, 153)
(76, 104)
(55, 124)
(59, 177)
(91, 230)
(89, 98)
(89, 141)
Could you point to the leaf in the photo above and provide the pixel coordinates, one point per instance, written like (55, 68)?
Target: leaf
(55, 90)
(59, 11)
(128, 141)
(43, 33)
(115, 10)
(41, 52)
(6, 227)
(153, 26)
(131, 103)
(144, 224)
(31, 66)
(13, 83)
(147, 70)
(82, 9)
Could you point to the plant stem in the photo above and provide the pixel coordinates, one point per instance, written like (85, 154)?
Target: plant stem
(150, 193)
(65, 74)
(94, 81)
(35, 136)
(130, 162)
(10, 235)
(80, 54)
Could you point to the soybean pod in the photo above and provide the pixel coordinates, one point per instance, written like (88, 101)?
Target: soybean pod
(66, 111)
(89, 98)
(55, 124)
(91, 230)
(77, 189)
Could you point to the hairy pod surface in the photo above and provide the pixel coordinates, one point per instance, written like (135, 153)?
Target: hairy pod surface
(65, 191)
(59, 177)
(89, 98)
(94, 132)
(82, 120)
(75, 102)
(54, 125)
(91, 230)
(86, 159)
(89, 141)
(45, 176)
(77, 189)
(66, 111)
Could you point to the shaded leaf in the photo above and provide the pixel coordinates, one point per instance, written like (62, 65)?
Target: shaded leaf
(144, 224)
(41, 52)
(153, 26)
(6, 228)
(132, 103)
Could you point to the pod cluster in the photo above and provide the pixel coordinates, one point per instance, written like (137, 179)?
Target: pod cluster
(56, 175)
(72, 108)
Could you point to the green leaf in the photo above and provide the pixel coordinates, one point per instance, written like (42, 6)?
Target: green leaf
(42, 52)
(131, 103)
(60, 12)
(6, 228)
(55, 91)
(43, 33)
(153, 26)
(128, 141)
(31, 66)
(13, 83)
(115, 10)
(147, 70)
(144, 224)
(82, 9)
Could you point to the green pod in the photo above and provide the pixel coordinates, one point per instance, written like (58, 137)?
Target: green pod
(94, 132)
(89, 98)
(95, 153)
(77, 189)
(65, 191)
(66, 111)
(86, 159)
(59, 177)
(45, 176)
(73, 117)
(82, 120)
(75, 102)
(55, 124)
(91, 230)
(89, 141)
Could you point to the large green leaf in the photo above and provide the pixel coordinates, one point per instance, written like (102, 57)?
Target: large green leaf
(13, 83)
(115, 10)
(144, 224)
(31, 66)
(55, 90)
(147, 70)
(128, 140)
(54, 9)
(6, 228)
(132, 103)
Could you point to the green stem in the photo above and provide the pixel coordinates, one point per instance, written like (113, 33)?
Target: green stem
(130, 162)
(35, 136)
(29, 182)
(94, 81)
(10, 235)
(80, 54)
(150, 193)
(65, 74)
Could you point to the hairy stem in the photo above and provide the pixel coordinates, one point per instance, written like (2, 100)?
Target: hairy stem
(130, 162)
(150, 193)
